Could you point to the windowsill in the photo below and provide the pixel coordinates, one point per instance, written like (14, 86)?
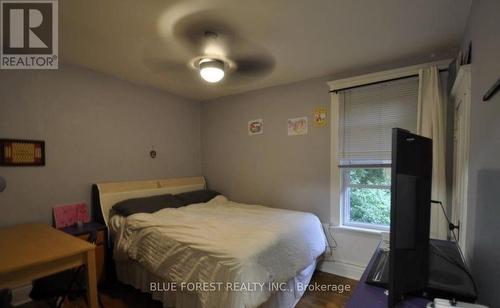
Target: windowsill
(373, 232)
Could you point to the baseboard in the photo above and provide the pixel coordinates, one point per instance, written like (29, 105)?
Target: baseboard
(21, 295)
(344, 269)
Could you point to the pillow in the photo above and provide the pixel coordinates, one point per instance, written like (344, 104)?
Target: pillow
(197, 196)
(146, 205)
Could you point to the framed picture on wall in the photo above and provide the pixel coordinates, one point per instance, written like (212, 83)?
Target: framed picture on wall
(255, 127)
(297, 126)
(320, 116)
(20, 152)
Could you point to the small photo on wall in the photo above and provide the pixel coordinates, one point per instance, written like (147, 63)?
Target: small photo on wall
(255, 127)
(320, 116)
(297, 126)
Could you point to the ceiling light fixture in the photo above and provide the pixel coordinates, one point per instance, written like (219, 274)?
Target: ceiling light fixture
(211, 70)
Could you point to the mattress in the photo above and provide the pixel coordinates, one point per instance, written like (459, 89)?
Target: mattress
(222, 242)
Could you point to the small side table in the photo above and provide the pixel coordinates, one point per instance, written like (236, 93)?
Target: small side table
(100, 233)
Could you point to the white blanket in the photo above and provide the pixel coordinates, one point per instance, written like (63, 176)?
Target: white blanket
(222, 241)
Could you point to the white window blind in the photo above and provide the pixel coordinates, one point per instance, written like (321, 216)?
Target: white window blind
(369, 113)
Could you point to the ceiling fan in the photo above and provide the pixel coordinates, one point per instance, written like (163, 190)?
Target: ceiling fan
(203, 45)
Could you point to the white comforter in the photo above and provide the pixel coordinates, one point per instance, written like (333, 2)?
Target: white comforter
(223, 241)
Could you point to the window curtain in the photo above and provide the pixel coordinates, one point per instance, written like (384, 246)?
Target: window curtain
(431, 123)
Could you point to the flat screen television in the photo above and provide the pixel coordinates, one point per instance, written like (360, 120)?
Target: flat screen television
(410, 214)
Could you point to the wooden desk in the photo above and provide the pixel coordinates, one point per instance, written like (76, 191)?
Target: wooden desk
(32, 251)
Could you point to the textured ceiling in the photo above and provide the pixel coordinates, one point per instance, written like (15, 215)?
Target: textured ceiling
(304, 39)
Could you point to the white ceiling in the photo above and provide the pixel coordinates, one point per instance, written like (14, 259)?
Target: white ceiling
(306, 38)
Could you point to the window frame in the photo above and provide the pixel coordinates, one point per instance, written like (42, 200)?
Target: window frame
(345, 193)
(335, 174)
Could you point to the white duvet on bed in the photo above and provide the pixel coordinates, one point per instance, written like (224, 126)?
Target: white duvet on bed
(222, 241)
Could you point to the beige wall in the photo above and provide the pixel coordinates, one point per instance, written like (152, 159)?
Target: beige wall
(270, 169)
(96, 128)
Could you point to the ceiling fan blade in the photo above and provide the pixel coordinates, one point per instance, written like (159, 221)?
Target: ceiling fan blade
(257, 66)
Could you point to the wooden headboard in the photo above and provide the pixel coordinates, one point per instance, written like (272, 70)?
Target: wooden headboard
(105, 195)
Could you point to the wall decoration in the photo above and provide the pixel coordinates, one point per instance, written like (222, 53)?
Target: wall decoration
(17, 152)
(297, 126)
(255, 127)
(320, 116)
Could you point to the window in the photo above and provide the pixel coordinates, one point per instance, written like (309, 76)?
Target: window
(367, 196)
(367, 116)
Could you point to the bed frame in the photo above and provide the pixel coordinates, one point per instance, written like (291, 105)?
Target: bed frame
(105, 195)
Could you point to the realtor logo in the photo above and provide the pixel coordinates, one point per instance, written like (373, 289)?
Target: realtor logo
(29, 35)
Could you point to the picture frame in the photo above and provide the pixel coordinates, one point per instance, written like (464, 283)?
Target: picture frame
(22, 153)
(255, 127)
(297, 126)
(320, 116)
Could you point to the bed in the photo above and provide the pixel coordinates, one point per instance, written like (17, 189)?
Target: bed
(215, 254)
